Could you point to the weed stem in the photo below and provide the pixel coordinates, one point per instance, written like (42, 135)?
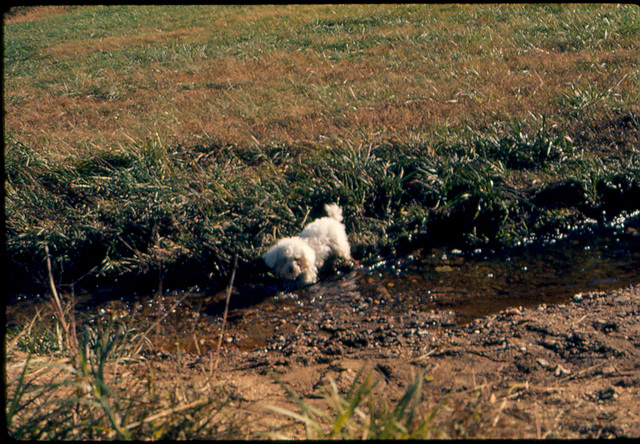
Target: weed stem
(226, 310)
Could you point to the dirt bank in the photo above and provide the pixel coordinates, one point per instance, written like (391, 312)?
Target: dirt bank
(570, 371)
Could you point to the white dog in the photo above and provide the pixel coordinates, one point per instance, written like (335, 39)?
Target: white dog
(300, 257)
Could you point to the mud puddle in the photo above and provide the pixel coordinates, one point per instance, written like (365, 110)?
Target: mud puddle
(436, 288)
(476, 285)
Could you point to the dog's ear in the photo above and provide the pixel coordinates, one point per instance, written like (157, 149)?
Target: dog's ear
(271, 257)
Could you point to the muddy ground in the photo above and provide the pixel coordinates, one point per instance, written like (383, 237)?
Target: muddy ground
(559, 370)
(569, 370)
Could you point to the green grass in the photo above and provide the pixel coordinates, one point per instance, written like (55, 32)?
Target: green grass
(360, 415)
(165, 140)
(78, 394)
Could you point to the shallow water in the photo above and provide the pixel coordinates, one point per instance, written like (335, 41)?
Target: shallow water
(466, 286)
(528, 276)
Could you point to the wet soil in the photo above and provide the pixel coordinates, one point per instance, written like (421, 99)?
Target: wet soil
(563, 370)
(533, 343)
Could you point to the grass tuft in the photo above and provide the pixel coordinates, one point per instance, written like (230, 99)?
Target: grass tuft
(360, 415)
(92, 393)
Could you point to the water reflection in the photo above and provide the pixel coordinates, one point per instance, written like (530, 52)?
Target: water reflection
(478, 284)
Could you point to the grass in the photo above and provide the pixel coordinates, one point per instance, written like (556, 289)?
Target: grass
(352, 419)
(360, 413)
(87, 393)
(166, 140)
(85, 385)
(102, 380)
(96, 393)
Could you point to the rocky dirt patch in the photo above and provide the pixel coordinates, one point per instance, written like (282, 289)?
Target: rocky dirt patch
(559, 370)
(569, 371)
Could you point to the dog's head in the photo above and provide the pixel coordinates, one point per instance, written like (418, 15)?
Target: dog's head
(290, 257)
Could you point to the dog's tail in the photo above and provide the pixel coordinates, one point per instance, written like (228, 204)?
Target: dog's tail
(334, 211)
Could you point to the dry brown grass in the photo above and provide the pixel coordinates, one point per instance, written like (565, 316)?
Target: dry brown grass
(404, 88)
(19, 14)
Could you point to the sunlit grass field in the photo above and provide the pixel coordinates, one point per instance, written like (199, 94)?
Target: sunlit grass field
(177, 137)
